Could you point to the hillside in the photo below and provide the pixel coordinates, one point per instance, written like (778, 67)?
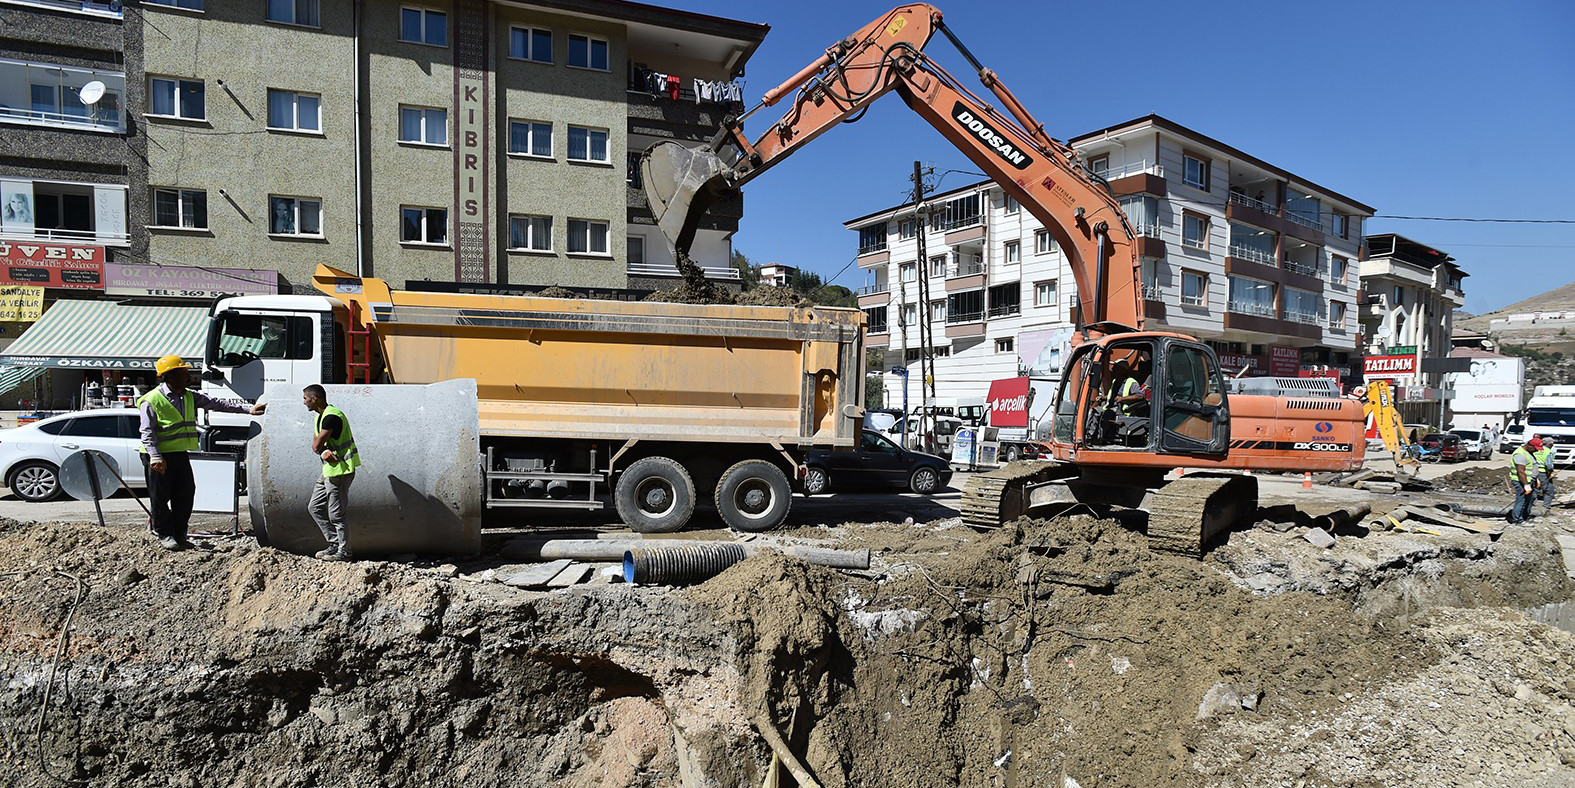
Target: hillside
(1552, 300)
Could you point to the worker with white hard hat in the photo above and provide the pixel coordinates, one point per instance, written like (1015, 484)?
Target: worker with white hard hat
(169, 432)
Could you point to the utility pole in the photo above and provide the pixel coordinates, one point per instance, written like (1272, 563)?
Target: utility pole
(926, 332)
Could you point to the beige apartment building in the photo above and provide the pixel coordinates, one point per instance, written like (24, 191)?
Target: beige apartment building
(466, 141)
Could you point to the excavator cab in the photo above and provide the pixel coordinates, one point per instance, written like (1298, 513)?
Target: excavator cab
(1144, 393)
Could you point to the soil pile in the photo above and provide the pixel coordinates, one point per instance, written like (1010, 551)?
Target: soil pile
(695, 287)
(1480, 481)
(557, 292)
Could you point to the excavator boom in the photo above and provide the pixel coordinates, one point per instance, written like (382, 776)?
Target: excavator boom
(887, 55)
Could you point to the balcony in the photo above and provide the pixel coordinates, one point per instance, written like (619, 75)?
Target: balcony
(1305, 269)
(65, 212)
(1238, 198)
(880, 287)
(725, 272)
(42, 94)
(1147, 230)
(1132, 168)
(1308, 222)
(1250, 308)
(1005, 310)
(1305, 318)
(871, 248)
(101, 8)
(1251, 254)
(967, 269)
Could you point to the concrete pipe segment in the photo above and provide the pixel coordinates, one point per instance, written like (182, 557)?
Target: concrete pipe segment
(418, 489)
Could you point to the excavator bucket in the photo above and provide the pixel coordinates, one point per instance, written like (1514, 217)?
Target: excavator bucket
(681, 184)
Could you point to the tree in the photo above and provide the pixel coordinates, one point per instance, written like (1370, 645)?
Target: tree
(748, 273)
(874, 377)
(813, 287)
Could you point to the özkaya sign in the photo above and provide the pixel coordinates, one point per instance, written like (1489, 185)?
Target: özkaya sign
(186, 282)
(995, 140)
(1008, 402)
(76, 266)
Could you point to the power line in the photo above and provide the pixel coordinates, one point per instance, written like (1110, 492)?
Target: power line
(1464, 219)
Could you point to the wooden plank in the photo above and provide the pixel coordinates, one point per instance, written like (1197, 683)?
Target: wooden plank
(572, 574)
(537, 575)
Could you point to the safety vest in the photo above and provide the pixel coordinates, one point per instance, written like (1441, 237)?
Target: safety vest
(1543, 459)
(1128, 387)
(1531, 465)
(174, 429)
(343, 447)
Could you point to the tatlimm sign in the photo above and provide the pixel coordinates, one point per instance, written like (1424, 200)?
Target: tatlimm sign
(1388, 366)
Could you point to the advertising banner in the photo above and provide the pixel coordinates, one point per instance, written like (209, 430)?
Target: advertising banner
(1488, 398)
(16, 207)
(1008, 402)
(1388, 366)
(1284, 362)
(21, 303)
(1232, 363)
(186, 282)
(44, 264)
(1043, 352)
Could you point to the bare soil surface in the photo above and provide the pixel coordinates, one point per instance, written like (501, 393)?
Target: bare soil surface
(1047, 653)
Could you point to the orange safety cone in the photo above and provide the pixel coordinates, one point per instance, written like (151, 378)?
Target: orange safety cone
(1307, 480)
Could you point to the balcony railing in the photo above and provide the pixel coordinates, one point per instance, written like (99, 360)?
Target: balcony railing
(657, 269)
(1134, 168)
(45, 94)
(103, 8)
(1246, 308)
(878, 328)
(1003, 310)
(1303, 220)
(947, 225)
(883, 287)
(1305, 269)
(968, 269)
(1249, 253)
(1146, 229)
(1151, 293)
(109, 237)
(964, 317)
(874, 247)
(1242, 199)
(1305, 318)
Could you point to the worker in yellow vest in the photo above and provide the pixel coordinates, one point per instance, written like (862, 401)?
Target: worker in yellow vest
(1522, 478)
(334, 443)
(169, 432)
(1543, 462)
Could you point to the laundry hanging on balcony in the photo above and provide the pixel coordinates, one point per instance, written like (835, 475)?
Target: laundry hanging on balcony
(718, 91)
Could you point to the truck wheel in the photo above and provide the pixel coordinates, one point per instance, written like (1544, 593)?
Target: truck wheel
(655, 496)
(1011, 454)
(754, 495)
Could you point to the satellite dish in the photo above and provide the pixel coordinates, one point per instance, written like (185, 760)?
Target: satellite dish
(91, 92)
(1383, 331)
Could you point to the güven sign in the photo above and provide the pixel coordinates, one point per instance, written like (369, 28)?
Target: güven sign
(51, 265)
(1388, 366)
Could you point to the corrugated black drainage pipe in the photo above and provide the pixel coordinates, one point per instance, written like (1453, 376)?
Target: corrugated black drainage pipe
(676, 565)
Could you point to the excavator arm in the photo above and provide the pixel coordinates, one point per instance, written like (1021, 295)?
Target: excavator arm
(887, 55)
(1378, 402)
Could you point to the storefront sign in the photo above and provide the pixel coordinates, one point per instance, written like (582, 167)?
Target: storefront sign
(1487, 398)
(44, 264)
(178, 281)
(1008, 402)
(21, 303)
(1284, 362)
(1232, 363)
(1388, 366)
(1402, 350)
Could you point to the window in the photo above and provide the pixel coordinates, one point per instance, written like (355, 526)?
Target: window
(1340, 224)
(872, 239)
(295, 216)
(876, 316)
(186, 208)
(636, 246)
(938, 265)
(907, 228)
(1014, 252)
(1099, 165)
(965, 307)
(938, 310)
(241, 337)
(908, 272)
(423, 26)
(530, 44)
(1193, 288)
(1043, 243)
(1337, 269)
(533, 233)
(532, 138)
(294, 12)
(587, 52)
(193, 5)
(1045, 293)
(1006, 299)
(1142, 212)
(1302, 306)
(1195, 172)
(1337, 315)
(93, 427)
(1005, 345)
(910, 314)
(1251, 296)
(1011, 205)
(177, 98)
(294, 111)
(588, 144)
(960, 212)
(587, 237)
(423, 226)
(423, 126)
(1194, 231)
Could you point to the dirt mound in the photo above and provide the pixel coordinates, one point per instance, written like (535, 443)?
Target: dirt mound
(557, 292)
(1481, 481)
(773, 296)
(695, 287)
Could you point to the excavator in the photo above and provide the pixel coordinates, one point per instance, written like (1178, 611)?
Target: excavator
(1378, 403)
(1105, 452)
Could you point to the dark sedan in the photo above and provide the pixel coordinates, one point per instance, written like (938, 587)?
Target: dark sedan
(1447, 446)
(877, 463)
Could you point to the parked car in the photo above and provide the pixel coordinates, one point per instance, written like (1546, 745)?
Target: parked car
(1475, 443)
(1514, 435)
(1448, 446)
(30, 455)
(878, 463)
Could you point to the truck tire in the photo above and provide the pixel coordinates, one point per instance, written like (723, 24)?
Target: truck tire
(754, 495)
(655, 496)
(1011, 454)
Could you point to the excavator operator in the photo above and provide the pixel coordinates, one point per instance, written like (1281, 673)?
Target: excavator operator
(1124, 420)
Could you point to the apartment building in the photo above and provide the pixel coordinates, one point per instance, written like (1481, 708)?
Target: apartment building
(1410, 293)
(1255, 260)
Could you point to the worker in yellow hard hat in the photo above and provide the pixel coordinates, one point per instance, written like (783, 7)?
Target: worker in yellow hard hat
(169, 432)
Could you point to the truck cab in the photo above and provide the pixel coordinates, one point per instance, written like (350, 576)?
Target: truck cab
(1551, 412)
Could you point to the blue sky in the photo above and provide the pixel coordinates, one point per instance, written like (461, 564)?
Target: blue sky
(1443, 108)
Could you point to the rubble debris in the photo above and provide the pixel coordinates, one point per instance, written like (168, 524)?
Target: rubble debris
(1318, 537)
(694, 288)
(556, 292)
(1480, 481)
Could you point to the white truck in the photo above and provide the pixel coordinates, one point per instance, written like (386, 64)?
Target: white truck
(1551, 411)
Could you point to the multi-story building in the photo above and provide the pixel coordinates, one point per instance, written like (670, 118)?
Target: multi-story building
(1411, 291)
(777, 274)
(1255, 260)
(446, 143)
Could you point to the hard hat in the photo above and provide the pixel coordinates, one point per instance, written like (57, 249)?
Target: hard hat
(1535, 443)
(168, 363)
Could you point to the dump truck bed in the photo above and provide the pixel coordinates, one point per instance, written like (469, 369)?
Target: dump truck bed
(630, 370)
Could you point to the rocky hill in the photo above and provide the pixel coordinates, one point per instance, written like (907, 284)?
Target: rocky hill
(1552, 300)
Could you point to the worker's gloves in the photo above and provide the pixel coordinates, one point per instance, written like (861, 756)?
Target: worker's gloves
(1526, 488)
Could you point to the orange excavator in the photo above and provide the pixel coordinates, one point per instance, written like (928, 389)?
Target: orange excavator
(1110, 447)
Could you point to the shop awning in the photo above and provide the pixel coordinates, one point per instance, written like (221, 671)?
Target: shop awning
(107, 335)
(13, 376)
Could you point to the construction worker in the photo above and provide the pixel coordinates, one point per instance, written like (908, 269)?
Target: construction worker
(1544, 467)
(1522, 475)
(169, 432)
(334, 443)
(1126, 389)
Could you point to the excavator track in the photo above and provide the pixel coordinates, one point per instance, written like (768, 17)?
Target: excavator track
(1185, 515)
(991, 500)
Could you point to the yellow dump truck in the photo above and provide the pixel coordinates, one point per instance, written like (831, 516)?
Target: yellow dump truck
(652, 407)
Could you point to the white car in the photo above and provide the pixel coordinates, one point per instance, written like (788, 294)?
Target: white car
(30, 455)
(1476, 444)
